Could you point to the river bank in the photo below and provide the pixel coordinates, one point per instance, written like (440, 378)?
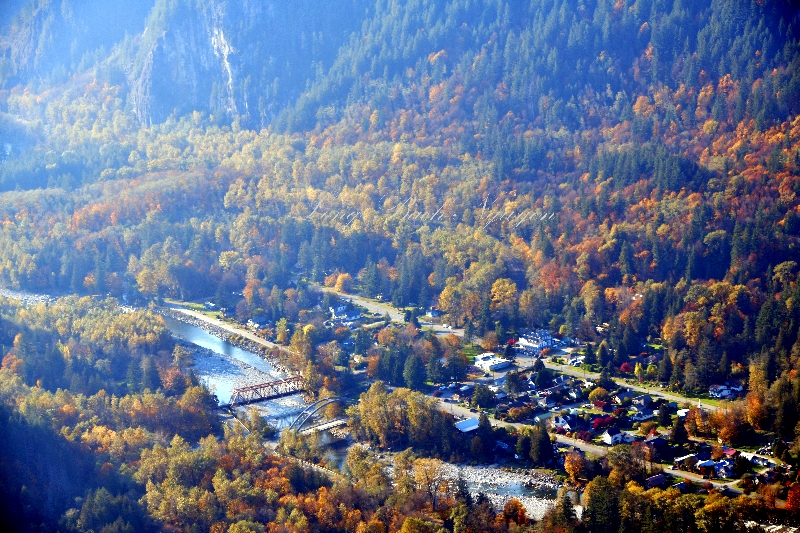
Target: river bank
(222, 374)
(239, 341)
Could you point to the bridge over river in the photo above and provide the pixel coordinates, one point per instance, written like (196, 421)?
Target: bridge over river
(265, 391)
(330, 424)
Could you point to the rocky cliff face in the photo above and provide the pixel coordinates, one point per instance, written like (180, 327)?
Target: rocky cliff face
(245, 59)
(182, 66)
(48, 39)
(176, 68)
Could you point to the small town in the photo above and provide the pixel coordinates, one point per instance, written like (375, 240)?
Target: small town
(543, 380)
(400, 266)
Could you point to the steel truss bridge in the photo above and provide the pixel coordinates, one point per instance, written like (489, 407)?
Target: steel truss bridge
(266, 391)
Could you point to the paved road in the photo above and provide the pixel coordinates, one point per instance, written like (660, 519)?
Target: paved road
(383, 308)
(370, 305)
(396, 316)
(653, 391)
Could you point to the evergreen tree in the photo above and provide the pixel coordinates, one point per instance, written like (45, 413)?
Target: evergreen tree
(724, 368)
(468, 333)
(567, 518)
(523, 448)
(605, 379)
(362, 341)
(482, 397)
(676, 378)
(541, 447)
(589, 359)
(508, 353)
(766, 318)
(626, 259)
(500, 331)
(603, 354)
(678, 434)
(133, 377)
(484, 316)
(621, 355)
(457, 367)
(543, 378)
(705, 368)
(630, 339)
(690, 382)
(484, 427)
(436, 373)
(413, 319)
(371, 280)
(150, 378)
(601, 514)
(692, 265)
(514, 383)
(665, 415)
(463, 495)
(665, 368)
(477, 448)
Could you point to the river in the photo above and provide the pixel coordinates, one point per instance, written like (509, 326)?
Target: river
(224, 367)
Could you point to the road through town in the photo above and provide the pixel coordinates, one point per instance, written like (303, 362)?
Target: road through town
(383, 308)
(586, 447)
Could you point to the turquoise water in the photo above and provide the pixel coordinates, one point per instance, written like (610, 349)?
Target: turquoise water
(219, 370)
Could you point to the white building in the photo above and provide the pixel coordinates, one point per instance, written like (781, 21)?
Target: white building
(720, 391)
(612, 436)
(536, 340)
(489, 362)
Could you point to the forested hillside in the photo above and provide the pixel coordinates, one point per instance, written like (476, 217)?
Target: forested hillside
(618, 172)
(572, 152)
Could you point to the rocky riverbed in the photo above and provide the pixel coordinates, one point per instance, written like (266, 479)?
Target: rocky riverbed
(500, 485)
(229, 373)
(26, 297)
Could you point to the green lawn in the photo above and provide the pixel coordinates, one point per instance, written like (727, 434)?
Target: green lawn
(690, 398)
(704, 398)
(194, 306)
(471, 352)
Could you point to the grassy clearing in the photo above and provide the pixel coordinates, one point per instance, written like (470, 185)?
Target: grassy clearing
(471, 352)
(194, 306)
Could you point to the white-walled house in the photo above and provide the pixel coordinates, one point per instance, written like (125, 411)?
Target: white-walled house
(612, 436)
